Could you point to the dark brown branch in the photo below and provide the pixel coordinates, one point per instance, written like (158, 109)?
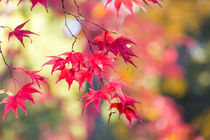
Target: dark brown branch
(75, 38)
(101, 27)
(78, 10)
(63, 6)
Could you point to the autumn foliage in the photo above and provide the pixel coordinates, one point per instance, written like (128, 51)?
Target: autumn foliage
(80, 67)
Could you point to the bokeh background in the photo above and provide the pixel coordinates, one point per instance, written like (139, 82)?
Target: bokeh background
(172, 78)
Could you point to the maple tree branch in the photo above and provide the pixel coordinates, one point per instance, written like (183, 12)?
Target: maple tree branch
(63, 6)
(70, 14)
(101, 27)
(8, 67)
(89, 42)
(80, 19)
(75, 38)
(78, 10)
(5, 62)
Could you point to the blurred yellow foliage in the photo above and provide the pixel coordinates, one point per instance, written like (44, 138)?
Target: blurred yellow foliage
(175, 86)
(203, 122)
(180, 15)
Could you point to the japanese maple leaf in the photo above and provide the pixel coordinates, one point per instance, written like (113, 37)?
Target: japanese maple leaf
(127, 110)
(35, 77)
(129, 4)
(69, 75)
(12, 102)
(57, 62)
(116, 46)
(19, 34)
(76, 59)
(120, 46)
(42, 2)
(95, 97)
(82, 75)
(115, 87)
(103, 40)
(78, 72)
(127, 100)
(99, 62)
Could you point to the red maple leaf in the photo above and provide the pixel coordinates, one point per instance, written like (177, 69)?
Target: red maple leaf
(42, 2)
(78, 71)
(76, 59)
(82, 75)
(12, 102)
(103, 40)
(57, 62)
(115, 87)
(127, 100)
(120, 46)
(116, 46)
(127, 110)
(95, 97)
(68, 75)
(78, 75)
(99, 62)
(129, 4)
(19, 34)
(111, 89)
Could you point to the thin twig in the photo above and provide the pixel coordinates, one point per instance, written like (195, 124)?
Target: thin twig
(78, 10)
(8, 67)
(75, 38)
(5, 62)
(101, 27)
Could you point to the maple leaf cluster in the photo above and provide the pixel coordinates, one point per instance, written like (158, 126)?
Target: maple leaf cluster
(79, 67)
(119, 46)
(12, 102)
(26, 91)
(109, 92)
